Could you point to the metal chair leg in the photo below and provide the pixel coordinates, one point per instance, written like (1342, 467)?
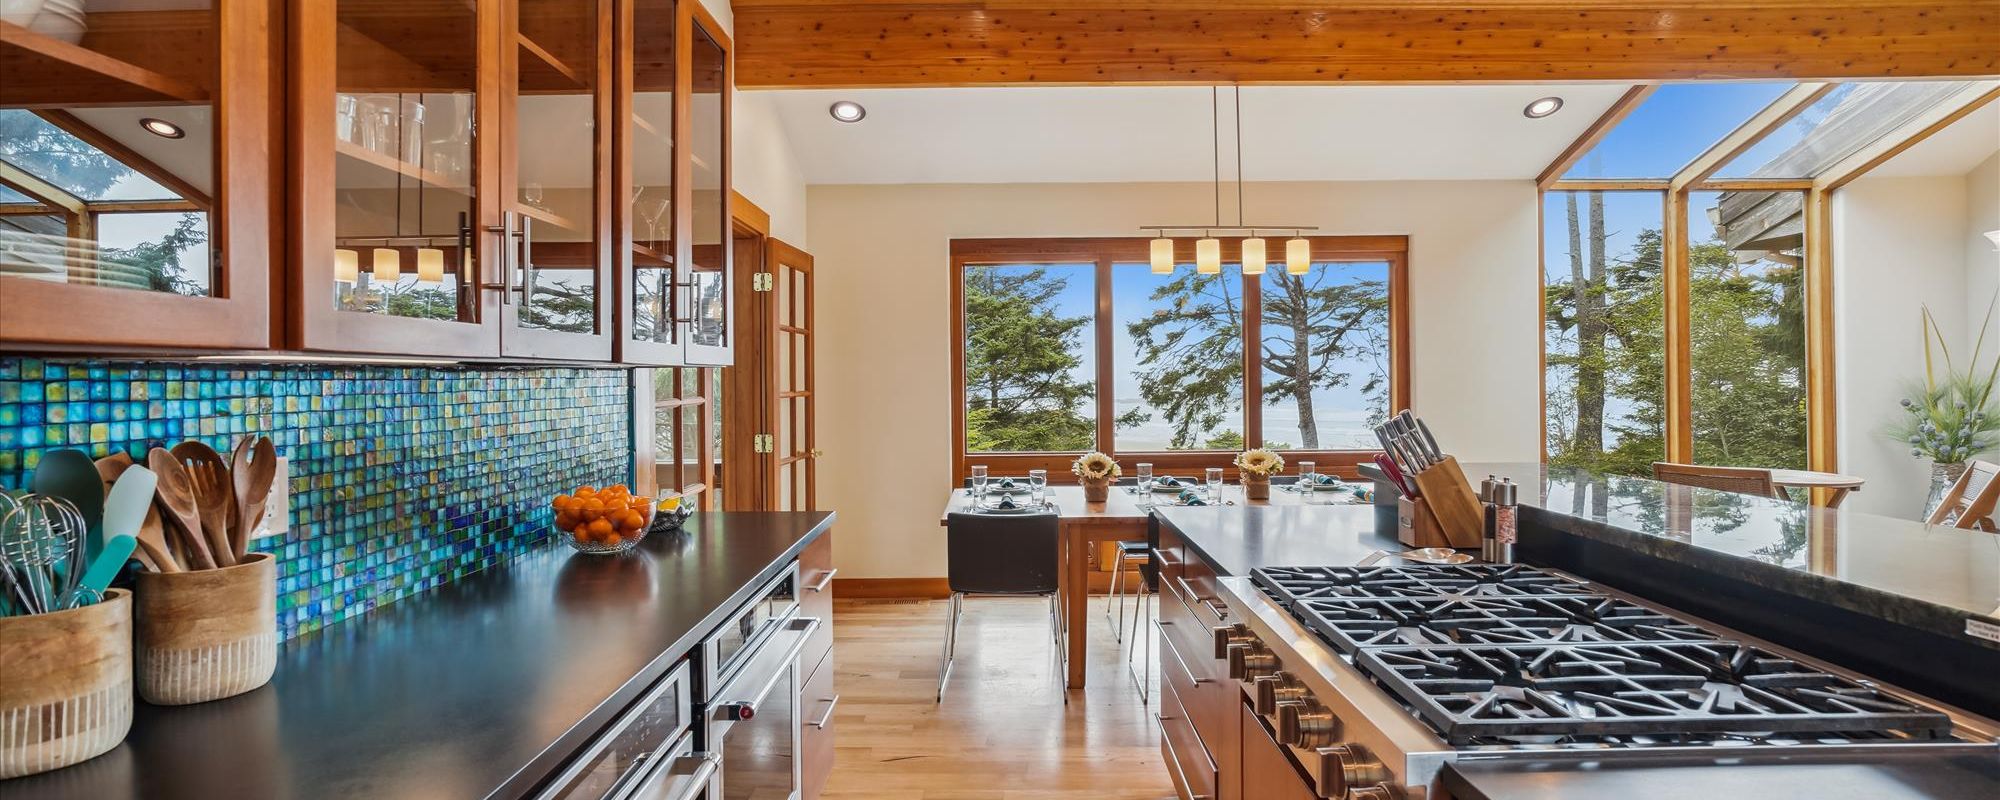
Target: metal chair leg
(1142, 639)
(1117, 596)
(1061, 653)
(952, 610)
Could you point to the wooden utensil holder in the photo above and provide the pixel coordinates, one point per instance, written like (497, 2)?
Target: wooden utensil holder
(207, 634)
(65, 685)
(1451, 504)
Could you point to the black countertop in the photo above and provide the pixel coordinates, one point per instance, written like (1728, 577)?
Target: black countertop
(1877, 777)
(1234, 539)
(480, 688)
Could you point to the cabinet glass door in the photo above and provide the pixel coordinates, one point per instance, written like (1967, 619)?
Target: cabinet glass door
(647, 180)
(405, 213)
(555, 256)
(708, 278)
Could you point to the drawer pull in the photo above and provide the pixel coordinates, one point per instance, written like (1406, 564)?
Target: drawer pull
(1174, 757)
(825, 580)
(1177, 654)
(828, 716)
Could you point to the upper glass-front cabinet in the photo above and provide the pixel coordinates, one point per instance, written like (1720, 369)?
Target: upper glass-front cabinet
(453, 177)
(673, 185)
(130, 152)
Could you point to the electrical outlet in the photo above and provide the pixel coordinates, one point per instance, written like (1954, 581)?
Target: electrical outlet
(278, 506)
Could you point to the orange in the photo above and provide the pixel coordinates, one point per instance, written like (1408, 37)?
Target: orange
(581, 532)
(633, 520)
(593, 504)
(621, 488)
(614, 540)
(600, 526)
(566, 520)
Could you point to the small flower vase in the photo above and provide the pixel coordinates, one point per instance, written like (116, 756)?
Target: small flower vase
(1096, 490)
(1255, 486)
(1942, 477)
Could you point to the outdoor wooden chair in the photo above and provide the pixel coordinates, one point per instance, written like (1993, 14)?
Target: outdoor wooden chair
(1742, 480)
(1970, 502)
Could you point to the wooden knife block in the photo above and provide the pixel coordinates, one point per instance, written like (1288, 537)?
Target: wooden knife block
(1416, 526)
(1452, 506)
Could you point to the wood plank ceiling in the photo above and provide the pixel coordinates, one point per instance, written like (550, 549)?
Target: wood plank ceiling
(885, 43)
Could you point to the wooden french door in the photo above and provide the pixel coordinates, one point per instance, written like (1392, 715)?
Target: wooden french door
(794, 445)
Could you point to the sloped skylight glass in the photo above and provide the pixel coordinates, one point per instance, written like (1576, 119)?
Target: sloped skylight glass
(52, 154)
(1672, 126)
(1847, 119)
(10, 196)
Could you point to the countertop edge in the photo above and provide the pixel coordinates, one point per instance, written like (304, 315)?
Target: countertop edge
(545, 764)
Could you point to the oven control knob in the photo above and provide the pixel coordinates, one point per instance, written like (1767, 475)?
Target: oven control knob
(738, 711)
(1353, 772)
(1380, 791)
(1306, 724)
(1226, 635)
(1248, 662)
(1279, 688)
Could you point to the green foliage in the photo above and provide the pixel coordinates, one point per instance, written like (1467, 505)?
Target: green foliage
(156, 266)
(1021, 393)
(1952, 418)
(559, 306)
(1312, 321)
(1190, 353)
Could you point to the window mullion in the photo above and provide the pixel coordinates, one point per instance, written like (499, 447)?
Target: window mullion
(1107, 407)
(1253, 360)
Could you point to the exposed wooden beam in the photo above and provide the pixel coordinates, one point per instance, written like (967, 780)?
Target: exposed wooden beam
(124, 154)
(863, 43)
(1781, 110)
(1595, 133)
(1617, 185)
(1676, 291)
(1822, 437)
(1755, 184)
(1932, 120)
(41, 191)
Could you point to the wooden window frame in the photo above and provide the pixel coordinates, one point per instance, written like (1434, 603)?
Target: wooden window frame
(1102, 253)
(691, 480)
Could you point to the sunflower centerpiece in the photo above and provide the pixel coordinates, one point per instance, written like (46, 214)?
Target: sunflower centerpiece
(1096, 470)
(1256, 467)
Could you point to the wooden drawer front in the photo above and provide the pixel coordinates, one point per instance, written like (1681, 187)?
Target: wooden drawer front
(1192, 634)
(816, 705)
(1193, 774)
(1201, 695)
(1267, 773)
(816, 595)
(1200, 591)
(1171, 554)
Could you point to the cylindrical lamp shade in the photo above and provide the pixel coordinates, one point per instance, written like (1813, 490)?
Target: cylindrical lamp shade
(1253, 256)
(346, 265)
(388, 265)
(1298, 256)
(430, 264)
(1208, 256)
(1163, 256)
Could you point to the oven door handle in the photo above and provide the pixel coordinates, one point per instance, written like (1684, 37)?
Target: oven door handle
(801, 629)
(696, 781)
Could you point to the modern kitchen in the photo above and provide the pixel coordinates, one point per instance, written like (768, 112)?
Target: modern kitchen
(983, 399)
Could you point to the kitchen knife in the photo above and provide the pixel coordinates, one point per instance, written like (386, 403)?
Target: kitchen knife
(1389, 448)
(1396, 478)
(1430, 441)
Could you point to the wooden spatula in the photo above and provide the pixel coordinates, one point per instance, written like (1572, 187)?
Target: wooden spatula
(253, 468)
(112, 466)
(176, 494)
(153, 547)
(214, 495)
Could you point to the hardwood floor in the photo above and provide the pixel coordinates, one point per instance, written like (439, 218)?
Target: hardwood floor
(1002, 732)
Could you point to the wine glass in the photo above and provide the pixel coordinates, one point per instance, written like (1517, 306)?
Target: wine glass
(1306, 475)
(1038, 486)
(1214, 484)
(979, 481)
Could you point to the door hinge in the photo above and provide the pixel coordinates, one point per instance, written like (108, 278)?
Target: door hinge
(762, 443)
(761, 282)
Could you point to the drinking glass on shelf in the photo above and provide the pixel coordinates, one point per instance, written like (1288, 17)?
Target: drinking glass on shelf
(1306, 475)
(1038, 486)
(1214, 484)
(979, 481)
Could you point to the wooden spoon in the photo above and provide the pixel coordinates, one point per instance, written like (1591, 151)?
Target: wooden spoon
(214, 494)
(153, 547)
(254, 468)
(176, 496)
(112, 466)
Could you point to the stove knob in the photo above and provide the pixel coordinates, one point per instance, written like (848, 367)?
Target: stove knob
(1248, 662)
(1353, 771)
(1380, 791)
(1275, 689)
(1306, 724)
(1226, 635)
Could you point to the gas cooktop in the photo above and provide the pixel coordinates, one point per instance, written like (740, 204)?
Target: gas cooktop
(1511, 654)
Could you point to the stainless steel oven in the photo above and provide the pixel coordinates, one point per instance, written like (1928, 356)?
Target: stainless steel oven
(751, 707)
(648, 754)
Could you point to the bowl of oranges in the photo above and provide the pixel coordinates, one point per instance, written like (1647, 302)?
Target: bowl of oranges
(608, 520)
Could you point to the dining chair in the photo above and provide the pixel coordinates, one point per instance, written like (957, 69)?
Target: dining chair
(1969, 504)
(1000, 554)
(1742, 480)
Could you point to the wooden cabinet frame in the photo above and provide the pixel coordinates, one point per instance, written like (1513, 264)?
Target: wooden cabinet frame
(246, 214)
(693, 14)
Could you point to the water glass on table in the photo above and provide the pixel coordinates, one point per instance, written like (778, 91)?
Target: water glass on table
(979, 481)
(1306, 476)
(1214, 485)
(1038, 487)
(1145, 485)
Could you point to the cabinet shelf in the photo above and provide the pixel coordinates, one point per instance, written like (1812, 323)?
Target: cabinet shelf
(545, 215)
(653, 258)
(543, 71)
(43, 70)
(390, 163)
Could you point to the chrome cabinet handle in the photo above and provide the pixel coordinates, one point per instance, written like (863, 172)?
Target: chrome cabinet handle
(747, 709)
(1174, 756)
(699, 779)
(828, 716)
(525, 259)
(507, 256)
(825, 580)
(1177, 655)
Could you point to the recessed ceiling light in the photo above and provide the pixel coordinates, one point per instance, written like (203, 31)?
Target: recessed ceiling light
(1543, 107)
(160, 127)
(847, 111)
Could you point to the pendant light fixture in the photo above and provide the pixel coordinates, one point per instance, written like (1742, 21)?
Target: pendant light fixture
(388, 265)
(430, 265)
(1252, 253)
(346, 265)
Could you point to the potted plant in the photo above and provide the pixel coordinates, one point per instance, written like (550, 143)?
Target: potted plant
(1256, 468)
(1096, 470)
(1950, 418)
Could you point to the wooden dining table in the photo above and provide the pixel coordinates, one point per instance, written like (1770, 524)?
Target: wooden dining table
(1836, 484)
(1085, 524)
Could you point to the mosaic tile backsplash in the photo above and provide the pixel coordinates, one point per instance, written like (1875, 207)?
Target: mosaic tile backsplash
(402, 479)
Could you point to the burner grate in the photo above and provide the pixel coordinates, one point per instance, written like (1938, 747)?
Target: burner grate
(1293, 584)
(1470, 692)
(1352, 623)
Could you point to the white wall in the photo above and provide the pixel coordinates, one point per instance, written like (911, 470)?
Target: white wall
(885, 322)
(1982, 261)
